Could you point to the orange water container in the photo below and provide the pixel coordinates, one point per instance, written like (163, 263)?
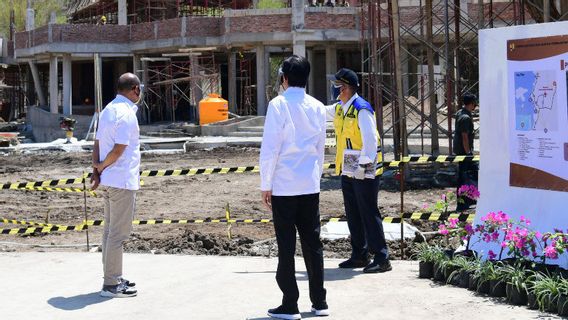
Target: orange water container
(213, 108)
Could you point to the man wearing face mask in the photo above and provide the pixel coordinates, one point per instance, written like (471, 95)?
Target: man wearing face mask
(356, 133)
(291, 164)
(116, 167)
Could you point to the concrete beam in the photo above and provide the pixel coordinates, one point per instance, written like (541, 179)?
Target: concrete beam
(67, 85)
(260, 81)
(53, 85)
(299, 47)
(37, 84)
(122, 21)
(232, 79)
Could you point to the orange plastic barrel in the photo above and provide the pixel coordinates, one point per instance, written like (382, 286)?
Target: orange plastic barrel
(213, 108)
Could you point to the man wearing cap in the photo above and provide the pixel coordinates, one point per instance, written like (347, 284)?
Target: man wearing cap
(463, 146)
(356, 130)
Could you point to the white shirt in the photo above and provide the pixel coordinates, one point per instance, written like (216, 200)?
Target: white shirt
(367, 125)
(118, 125)
(293, 142)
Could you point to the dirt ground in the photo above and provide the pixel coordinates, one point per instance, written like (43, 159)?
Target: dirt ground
(178, 197)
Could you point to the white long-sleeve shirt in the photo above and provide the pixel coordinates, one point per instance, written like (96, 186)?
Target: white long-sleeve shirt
(293, 142)
(367, 125)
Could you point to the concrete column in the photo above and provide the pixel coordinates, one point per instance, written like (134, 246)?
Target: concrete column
(137, 66)
(98, 64)
(330, 65)
(196, 91)
(261, 70)
(53, 85)
(298, 18)
(311, 83)
(122, 21)
(52, 17)
(405, 61)
(232, 79)
(30, 19)
(37, 84)
(67, 85)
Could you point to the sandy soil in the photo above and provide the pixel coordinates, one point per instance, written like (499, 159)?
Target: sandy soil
(188, 197)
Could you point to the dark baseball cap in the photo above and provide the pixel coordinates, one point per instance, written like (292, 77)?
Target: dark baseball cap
(346, 76)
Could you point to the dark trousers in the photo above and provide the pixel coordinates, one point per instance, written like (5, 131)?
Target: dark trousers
(363, 218)
(467, 174)
(301, 213)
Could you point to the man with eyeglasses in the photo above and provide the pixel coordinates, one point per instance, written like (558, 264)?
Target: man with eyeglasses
(116, 167)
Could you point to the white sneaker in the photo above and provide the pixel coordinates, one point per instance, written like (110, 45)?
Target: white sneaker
(320, 312)
(118, 291)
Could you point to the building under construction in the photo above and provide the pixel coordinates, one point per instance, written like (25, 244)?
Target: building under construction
(415, 57)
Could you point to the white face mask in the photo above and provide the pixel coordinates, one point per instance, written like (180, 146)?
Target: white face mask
(141, 96)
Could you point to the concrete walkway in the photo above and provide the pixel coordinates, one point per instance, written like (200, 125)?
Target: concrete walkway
(59, 285)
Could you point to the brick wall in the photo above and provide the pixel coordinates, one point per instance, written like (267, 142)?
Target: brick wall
(169, 28)
(255, 24)
(22, 40)
(203, 26)
(40, 36)
(90, 33)
(142, 31)
(320, 20)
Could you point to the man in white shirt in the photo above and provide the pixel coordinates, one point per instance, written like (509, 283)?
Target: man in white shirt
(116, 167)
(291, 164)
(356, 132)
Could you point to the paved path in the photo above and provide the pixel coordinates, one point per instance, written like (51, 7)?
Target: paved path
(58, 285)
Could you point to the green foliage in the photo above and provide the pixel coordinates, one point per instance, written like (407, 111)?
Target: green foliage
(428, 253)
(271, 4)
(545, 287)
(43, 9)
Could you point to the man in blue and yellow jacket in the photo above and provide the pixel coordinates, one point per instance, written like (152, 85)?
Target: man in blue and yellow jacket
(359, 144)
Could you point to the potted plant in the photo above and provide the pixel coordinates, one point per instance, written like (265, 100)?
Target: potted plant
(530, 283)
(461, 275)
(516, 287)
(563, 298)
(547, 291)
(440, 268)
(427, 255)
(483, 275)
(498, 280)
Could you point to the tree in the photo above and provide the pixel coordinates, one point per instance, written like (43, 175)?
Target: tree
(42, 8)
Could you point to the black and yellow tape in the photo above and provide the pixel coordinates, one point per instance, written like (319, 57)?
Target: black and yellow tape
(206, 171)
(54, 228)
(31, 223)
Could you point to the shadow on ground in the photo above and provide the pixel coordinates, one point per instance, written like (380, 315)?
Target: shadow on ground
(76, 302)
(332, 274)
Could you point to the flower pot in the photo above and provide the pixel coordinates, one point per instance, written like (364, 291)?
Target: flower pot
(497, 288)
(472, 283)
(439, 273)
(551, 303)
(464, 279)
(515, 296)
(448, 272)
(483, 286)
(531, 300)
(563, 305)
(425, 270)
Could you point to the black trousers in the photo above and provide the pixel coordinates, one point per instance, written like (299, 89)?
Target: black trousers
(467, 174)
(363, 218)
(301, 213)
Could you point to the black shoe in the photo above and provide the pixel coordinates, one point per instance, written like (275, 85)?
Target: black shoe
(320, 309)
(118, 291)
(127, 283)
(353, 263)
(378, 267)
(285, 313)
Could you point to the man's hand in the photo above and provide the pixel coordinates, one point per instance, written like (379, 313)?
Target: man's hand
(359, 173)
(98, 167)
(95, 180)
(267, 199)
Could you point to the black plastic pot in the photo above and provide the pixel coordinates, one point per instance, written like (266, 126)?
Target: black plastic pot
(472, 283)
(551, 304)
(563, 305)
(464, 279)
(439, 273)
(483, 286)
(531, 300)
(515, 296)
(449, 271)
(425, 270)
(497, 288)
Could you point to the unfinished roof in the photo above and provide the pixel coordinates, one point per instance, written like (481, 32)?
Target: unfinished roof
(78, 5)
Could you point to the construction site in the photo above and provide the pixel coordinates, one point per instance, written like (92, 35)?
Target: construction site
(415, 59)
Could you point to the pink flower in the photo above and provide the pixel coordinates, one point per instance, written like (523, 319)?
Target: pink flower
(425, 206)
(453, 222)
(492, 255)
(504, 244)
(538, 235)
(550, 252)
(442, 230)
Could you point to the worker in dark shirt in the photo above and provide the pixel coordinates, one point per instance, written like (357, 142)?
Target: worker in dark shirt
(463, 146)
